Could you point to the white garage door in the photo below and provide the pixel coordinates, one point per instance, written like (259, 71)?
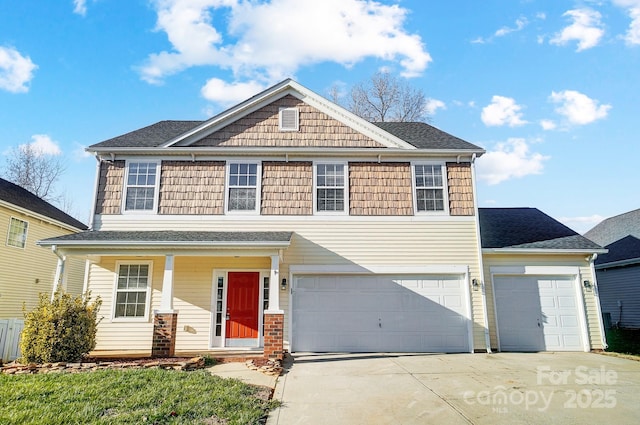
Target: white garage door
(380, 314)
(537, 313)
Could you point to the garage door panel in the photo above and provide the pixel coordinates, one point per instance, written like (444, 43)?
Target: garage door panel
(537, 313)
(385, 313)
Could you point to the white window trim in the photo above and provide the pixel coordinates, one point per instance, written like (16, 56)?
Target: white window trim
(445, 188)
(147, 307)
(26, 233)
(346, 188)
(227, 171)
(297, 126)
(156, 190)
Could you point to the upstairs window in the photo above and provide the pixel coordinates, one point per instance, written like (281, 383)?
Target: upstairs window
(17, 235)
(429, 187)
(289, 119)
(141, 186)
(132, 291)
(243, 186)
(330, 191)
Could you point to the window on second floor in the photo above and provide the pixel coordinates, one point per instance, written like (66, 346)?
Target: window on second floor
(330, 187)
(429, 182)
(17, 235)
(141, 186)
(243, 186)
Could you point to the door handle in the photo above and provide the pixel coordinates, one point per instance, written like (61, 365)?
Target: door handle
(539, 323)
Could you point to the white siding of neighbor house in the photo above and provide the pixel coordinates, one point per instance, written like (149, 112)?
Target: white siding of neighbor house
(27, 272)
(317, 241)
(621, 284)
(577, 260)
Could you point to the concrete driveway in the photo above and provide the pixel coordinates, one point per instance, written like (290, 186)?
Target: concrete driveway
(502, 388)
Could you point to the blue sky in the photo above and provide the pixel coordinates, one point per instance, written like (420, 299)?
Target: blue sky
(549, 88)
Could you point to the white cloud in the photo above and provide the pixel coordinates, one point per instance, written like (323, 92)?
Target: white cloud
(43, 144)
(502, 111)
(581, 224)
(586, 29)
(578, 108)
(433, 105)
(511, 159)
(16, 71)
(268, 41)
(633, 9)
(520, 24)
(219, 91)
(80, 7)
(548, 125)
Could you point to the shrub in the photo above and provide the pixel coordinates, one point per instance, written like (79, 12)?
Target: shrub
(62, 329)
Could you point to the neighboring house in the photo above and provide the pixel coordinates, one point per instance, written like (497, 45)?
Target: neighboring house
(618, 271)
(27, 270)
(288, 222)
(542, 288)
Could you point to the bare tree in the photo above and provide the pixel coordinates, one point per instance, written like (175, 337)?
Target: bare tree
(385, 98)
(31, 169)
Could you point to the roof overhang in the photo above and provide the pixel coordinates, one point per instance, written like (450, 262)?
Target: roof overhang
(118, 242)
(542, 251)
(38, 216)
(620, 263)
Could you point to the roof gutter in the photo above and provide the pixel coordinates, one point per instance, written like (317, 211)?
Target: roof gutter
(187, 244)
(542, 251)
(620, 263)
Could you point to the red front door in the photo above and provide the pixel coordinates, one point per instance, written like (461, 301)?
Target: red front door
(242, 304)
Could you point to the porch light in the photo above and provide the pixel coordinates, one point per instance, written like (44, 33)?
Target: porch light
(587, 284)
(283, 285)
(475, 284)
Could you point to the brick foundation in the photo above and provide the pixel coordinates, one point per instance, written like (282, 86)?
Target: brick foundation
(164, 334)
(273, 336)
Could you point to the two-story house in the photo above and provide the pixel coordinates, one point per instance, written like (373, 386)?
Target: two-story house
(288, 222)
(27, 270)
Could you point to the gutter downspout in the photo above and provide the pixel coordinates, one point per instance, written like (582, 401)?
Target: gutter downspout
(487, 338)
(59, 270)
(596, 294)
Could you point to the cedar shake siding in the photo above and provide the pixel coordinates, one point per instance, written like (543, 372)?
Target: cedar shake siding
(195, 188)
(109, 198)
(261, 128)
(287, 188)
(460, 189)
(380, 189)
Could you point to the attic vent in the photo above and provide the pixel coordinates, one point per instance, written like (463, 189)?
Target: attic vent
(289, 119)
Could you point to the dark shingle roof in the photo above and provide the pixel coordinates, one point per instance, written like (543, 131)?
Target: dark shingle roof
(168, 237)
(425, 136)
(16, 195)
(527, 228)
(627, 248)
(150, 136)
(418, 134)
(616, 228)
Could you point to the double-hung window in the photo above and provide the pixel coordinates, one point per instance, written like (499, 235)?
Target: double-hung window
(141, 185)
(17, 235)
(429, 180)
(132, 291)
(243, 186)
(330, 187)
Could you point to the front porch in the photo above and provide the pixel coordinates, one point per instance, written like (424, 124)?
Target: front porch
(171, 294)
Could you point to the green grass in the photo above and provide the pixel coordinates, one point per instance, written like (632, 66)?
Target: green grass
(626, 341)
(135, 396)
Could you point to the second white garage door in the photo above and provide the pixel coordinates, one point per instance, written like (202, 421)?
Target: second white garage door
(380, 314)
(538, 313)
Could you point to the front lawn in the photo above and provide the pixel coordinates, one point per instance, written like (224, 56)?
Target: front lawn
(134, 396)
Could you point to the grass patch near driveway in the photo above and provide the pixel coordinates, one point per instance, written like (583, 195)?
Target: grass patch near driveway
(134, 396)
(625, 341)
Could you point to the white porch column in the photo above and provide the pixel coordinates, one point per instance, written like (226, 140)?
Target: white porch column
(57, 278)
(274, 286)
(166, 301)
